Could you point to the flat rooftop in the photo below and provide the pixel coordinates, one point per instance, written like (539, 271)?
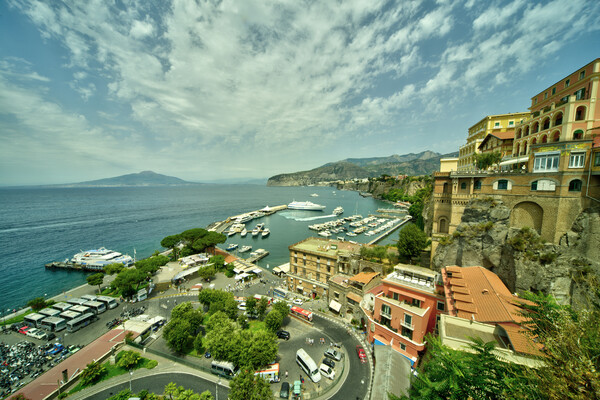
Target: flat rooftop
(326, 247)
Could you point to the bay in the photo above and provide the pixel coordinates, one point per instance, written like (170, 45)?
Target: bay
(40, 225)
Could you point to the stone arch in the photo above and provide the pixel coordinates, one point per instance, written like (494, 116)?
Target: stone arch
(544, 139)
(556, 136)
(536, 127)
(546, 124)
(519, 133)
(580, 113)
(442, 225)
(558, 118)
(527, 213)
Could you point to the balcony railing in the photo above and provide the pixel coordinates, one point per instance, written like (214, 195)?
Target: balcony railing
(385, 314)
(407, 325)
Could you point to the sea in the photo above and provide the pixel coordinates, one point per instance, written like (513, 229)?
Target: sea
(41, 225)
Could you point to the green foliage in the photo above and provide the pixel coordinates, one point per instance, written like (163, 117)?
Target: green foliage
(171, 390)
(218, 261)
(375, 253)
(151, 364)
(446, 240)
(115, 268)
(219, 300)
(177, 334)
(124, 394)
(95, 280)
(150, 265)
(242, 322)
(411, 241)
(207, 272)
(246, 386)
(526, 239)
(128, 281)
(261, 307)
(282, 307)
(194, 241)
(485, 160)
(274, 320)
(92, 373)
(251, 305)
(187, 312)
(128, 359)
(37, 303)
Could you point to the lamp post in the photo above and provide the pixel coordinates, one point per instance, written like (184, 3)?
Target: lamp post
(130, 374)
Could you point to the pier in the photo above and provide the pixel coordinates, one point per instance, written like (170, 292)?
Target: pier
(392, 229)
(222, 226)
(258, 256)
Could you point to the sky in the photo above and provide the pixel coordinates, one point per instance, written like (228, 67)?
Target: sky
(209, 90)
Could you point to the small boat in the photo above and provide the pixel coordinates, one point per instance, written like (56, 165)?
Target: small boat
(245, 249)
(314, 195)
(325, 233)
(232, 246)
(338, 210)
(350, 234)
(231, 233)
(244, 233)
(266, 232)
(255, 231)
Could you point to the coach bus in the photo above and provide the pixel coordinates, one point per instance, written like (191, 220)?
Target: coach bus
(96, 306)
(76, 324)
(54, 324)
(35, 319)
(109, 302)
(302, 313)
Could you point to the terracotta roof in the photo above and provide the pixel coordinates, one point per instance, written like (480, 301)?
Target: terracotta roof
(354, 296)
(520, 341)
(364, 277)
(508, 135)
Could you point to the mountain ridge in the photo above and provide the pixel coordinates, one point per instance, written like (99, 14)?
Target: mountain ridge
(144, 178)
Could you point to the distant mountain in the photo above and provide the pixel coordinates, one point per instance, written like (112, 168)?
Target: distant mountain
(144, 178)
(423, 163)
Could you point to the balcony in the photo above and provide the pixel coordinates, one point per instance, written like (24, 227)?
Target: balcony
(386, 314)
(407, 325)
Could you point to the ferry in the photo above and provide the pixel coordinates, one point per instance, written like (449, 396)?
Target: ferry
(305, 205)
(99, 258)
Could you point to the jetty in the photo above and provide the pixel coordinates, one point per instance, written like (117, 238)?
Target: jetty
(222, 226)
(257, 255)
(392, 229)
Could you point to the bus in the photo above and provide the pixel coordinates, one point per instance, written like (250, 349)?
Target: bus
(302, 313)
(270, 374)
(89, 297)
(76, 324)
(281, 293)
(77, 301)
(96, 306)
(224, 368)
(69, 315)
(34, 320)
(308, 365)
(54, 324)
(80, 309)
(62, 306)
(49, 312)
(109, 302)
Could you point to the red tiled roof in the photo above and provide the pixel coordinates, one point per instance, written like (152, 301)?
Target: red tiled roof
(520, 341)
(364, 277)
(354, 296)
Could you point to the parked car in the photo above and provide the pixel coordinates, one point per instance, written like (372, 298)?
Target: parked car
(329, 362)
(23, 330)
(284, 393)
(281, 334)
(327, 371)
(361, 354)
(56, 349)
(50, 336)
(297, 302)
(37, 333)
(207, 354)
(242, 306)
(333, 353)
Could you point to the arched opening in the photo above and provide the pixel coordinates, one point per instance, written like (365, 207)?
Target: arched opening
(575, 185)
(544, 139)
(527, 214)
(526, 131)
(534, 141)
(556, 136)
(524, 147)
(446, 188)
(519, 133)
(518, 148)
(546, 124)
(442, 225)
(580, 113)
(558, 119)
(578, 134)
(477, 185)
(536, 127)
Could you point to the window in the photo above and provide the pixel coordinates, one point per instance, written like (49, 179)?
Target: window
(416, 303)
(553, 91)
(511, 123)
(546, 162)
(407, 333)
(535, 101)
(396, 296)
(545, 95)
(502, 184)
(581, 75)
(441, 306)
(408, 320)
(580, 94)
(576, 160)
(477, 185)
(567, 83)
(543, 185)
(402, 346)
(496, 124)
(463, 185)
(597, 160)
(575, 185)
(336, 295)
(318, 276)
(386, 310)
(578, 134)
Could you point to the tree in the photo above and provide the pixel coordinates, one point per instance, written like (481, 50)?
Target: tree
(207, 272)
(274, 320)
(254, 349)
(92, 373)
(177, 334)
(261, 307)
(112, 269)
(198, 344)
(411, 241)
(218, 261)
(96, 280)
(282, 307)
(186, 311)
(129, 359)
(37, 303)
(206, 395)
(242, 322)
(247, 386)
(171, 389)
(171, 242)
(219, 300)
(128, 281)
(251, 305)
(485, 160)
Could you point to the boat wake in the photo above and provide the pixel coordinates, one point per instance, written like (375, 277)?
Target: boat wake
(302, 219)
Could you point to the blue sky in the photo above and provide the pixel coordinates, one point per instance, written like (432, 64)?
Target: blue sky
(250, 89)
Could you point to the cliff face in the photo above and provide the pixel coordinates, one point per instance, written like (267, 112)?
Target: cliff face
(378, 188)
(321, 175)
(519, 257)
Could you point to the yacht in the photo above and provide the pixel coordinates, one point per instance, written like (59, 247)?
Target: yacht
(245, 249)
(232, 246)
(99, 258)
(256, 231)
(244, 233)
(314, 195)
(338, 210)
(305, 205)
(266, 232)
(325, 233)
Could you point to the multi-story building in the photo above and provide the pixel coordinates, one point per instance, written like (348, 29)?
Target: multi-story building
(480, 305)
(492, 124)
(404, 308)
(501, 142)
(553, 172)
(313, 261)
(346, 292)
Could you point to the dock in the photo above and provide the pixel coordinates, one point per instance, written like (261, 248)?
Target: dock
(222, 226)
(252, 259)
(71, 266)
(392, 229)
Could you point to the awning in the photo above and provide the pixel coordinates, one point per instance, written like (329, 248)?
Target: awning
(514, 161)
(335, 306)
(256, 270)
(354, 296)
(185, 273)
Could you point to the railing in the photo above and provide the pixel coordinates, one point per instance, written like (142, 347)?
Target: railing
(407, 325)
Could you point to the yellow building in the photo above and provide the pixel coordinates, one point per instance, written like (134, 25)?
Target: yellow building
(448, 164)
(492, 124)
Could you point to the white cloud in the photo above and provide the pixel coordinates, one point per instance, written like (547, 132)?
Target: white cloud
(141, 29)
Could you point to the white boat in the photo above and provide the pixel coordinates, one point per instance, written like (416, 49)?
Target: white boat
(232, 246)
(255, 231)
(325, 233)
(338, 210)
(266, 232)
(244, 233)
(305, 205)
(314, 195)
(99, 258)
(244, 249)
(350, 234)
(231, 233)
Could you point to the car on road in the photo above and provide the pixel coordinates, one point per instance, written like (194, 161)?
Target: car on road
(329, 362)
(242, 306)
(284, 393)
(327, 371)
(361, 354)
(333, 353)
(297, 302)
(207, 354)
(281, 334)
(23, 330)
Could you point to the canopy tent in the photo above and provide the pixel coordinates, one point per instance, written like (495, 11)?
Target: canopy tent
(185, 273)
(335, 306)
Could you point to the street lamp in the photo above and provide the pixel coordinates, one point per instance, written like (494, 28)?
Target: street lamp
(130, 374)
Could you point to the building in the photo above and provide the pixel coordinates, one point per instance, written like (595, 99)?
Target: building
(492, 124)
(404, 308)
(553, 172)
(501, 142)
(448, 164)
(313, 261)
(480, 305)
(346, 292)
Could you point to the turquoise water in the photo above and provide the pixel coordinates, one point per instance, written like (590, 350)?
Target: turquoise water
(42, 225)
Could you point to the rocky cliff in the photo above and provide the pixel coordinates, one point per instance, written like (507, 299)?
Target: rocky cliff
(378, 188)
(519, 257)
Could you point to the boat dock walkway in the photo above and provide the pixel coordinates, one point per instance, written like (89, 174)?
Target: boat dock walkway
(255, 258)
(222, 226)
(392, 229)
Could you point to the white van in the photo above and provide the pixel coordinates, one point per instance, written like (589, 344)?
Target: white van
(308, 365)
